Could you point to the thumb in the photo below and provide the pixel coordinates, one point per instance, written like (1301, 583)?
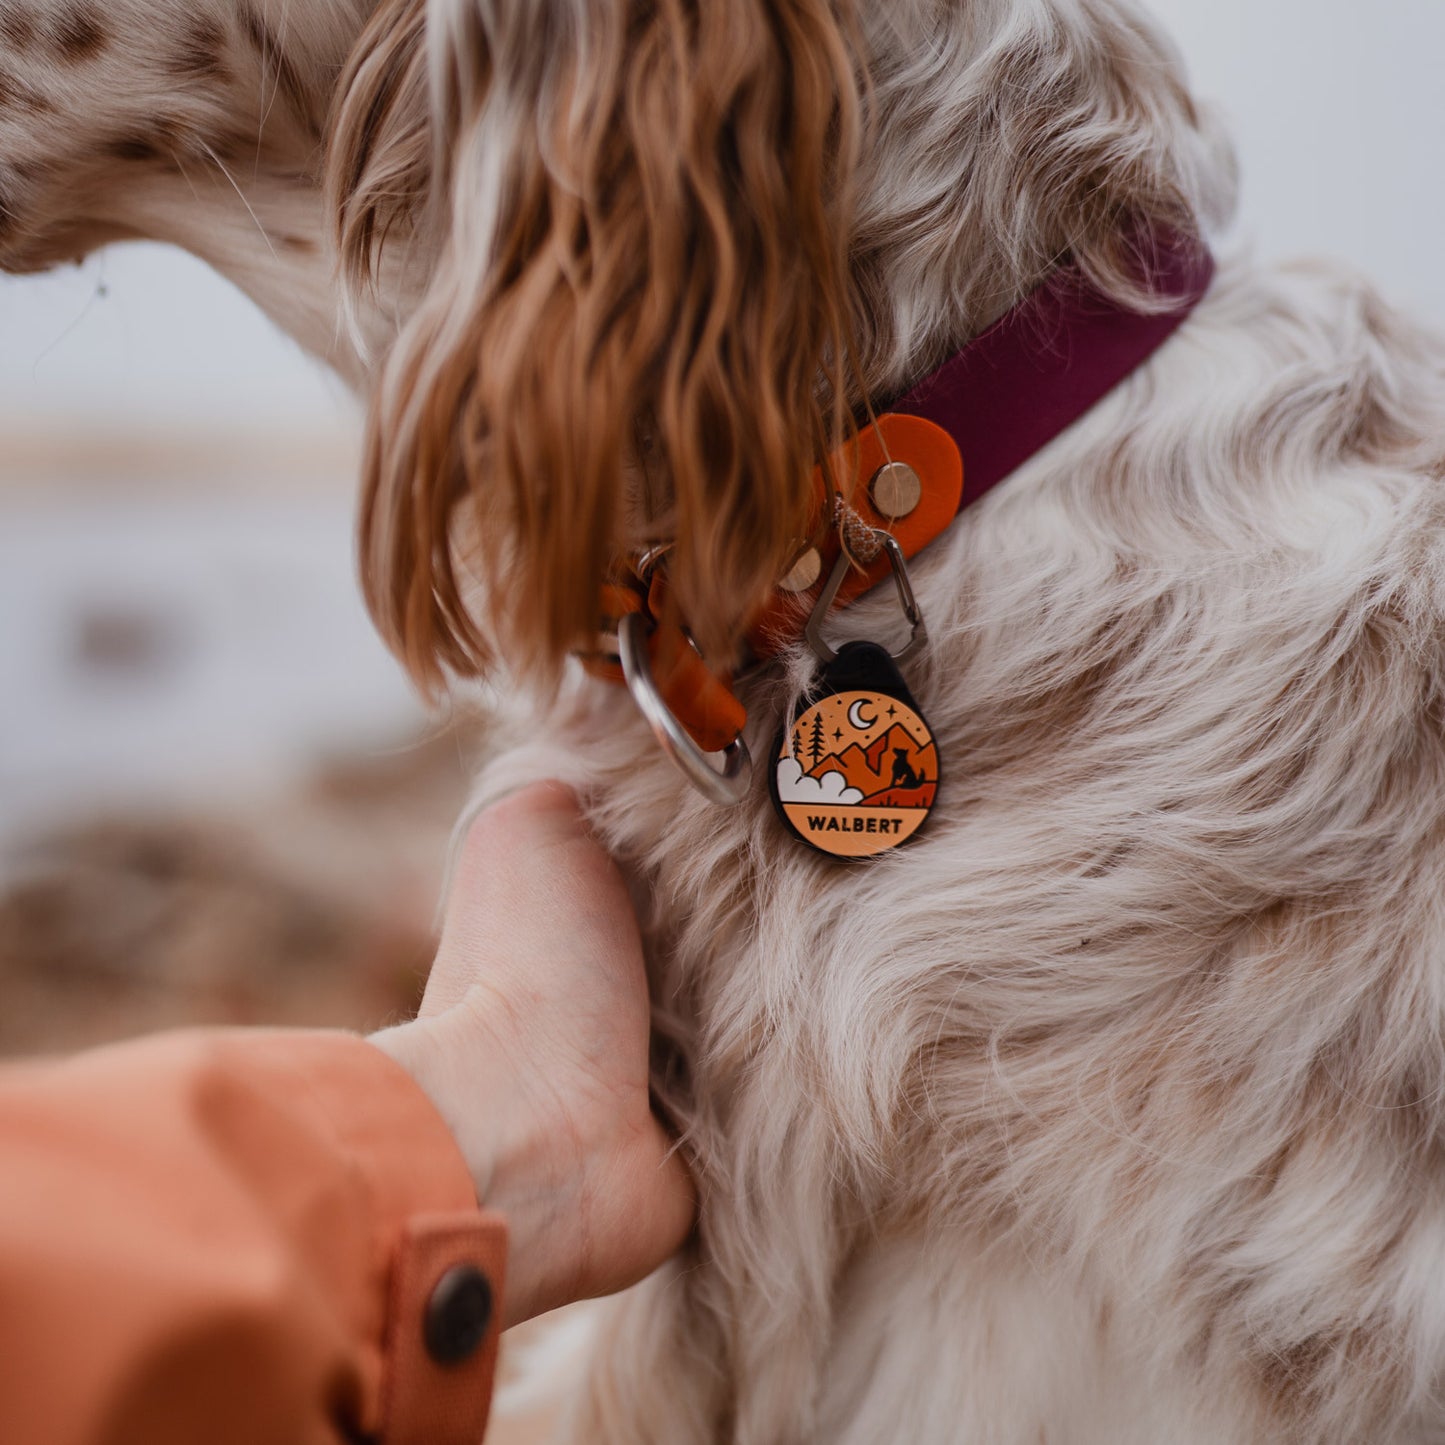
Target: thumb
(511, 864)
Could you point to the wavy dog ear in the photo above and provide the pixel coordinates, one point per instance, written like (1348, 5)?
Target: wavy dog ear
(638, 325)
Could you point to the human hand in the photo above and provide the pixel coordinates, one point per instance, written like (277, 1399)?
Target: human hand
(533, 1044)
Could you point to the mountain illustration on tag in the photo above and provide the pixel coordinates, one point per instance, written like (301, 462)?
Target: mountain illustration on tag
(857, 774)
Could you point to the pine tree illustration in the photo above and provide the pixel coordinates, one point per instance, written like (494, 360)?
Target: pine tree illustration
(816, 746)
(798, 744)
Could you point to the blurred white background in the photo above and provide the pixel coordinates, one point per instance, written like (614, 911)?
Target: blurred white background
(147, 335)
(179, 617)
(1339, 117)
(171, 635)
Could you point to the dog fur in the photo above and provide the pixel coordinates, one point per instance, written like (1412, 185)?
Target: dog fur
(1112, 1110)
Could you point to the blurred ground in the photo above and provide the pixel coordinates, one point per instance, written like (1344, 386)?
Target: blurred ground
(312, 907)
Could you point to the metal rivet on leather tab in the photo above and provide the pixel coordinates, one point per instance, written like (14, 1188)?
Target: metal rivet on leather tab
(804, 573)
(895, 490)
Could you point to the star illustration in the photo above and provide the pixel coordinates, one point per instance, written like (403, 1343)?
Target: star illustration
(838, 733)
(892, 712)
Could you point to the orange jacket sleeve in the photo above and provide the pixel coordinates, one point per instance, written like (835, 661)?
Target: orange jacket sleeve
(258, 1238)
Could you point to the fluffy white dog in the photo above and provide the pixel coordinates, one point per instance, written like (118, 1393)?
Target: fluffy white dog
(1109, 1110)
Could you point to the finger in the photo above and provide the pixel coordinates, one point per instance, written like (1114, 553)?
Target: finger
(516, 829)
(507, 859)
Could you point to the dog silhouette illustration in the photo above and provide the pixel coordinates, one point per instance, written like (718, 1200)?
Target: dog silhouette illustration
(903, 774)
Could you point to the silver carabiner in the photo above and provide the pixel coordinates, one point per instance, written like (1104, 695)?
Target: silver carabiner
(906, 600)
(726, 788)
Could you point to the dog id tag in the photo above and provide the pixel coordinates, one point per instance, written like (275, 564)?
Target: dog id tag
(857, 773)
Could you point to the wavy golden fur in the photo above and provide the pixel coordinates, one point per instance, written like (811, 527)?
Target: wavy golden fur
(639, 323)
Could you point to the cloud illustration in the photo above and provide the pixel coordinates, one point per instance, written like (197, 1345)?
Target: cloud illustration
(795, 787)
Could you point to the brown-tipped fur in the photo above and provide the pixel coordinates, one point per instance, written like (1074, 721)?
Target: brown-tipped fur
(379, 170)
(630, 347)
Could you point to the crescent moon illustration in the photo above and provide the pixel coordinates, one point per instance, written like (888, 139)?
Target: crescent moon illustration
(856, 718)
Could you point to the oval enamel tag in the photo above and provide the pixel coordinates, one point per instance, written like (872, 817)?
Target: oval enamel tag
(857, 774)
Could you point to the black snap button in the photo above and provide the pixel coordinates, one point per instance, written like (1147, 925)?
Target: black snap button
(458, 1315)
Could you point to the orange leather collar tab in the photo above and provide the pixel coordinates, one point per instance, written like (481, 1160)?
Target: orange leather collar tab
(910, 440)
(702, 701)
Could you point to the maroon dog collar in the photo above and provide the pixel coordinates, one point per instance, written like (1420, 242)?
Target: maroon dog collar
(1044, 364)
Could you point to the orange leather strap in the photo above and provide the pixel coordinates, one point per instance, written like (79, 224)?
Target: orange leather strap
(702, 701)
(933, 454)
